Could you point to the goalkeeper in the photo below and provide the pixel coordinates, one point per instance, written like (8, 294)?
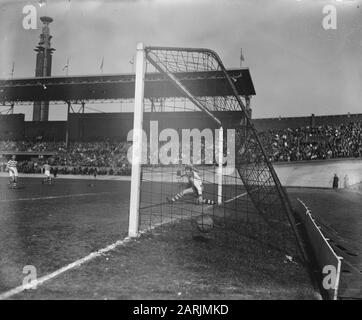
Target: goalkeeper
(194, 186)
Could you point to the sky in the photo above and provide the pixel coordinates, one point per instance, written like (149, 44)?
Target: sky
(298, 68)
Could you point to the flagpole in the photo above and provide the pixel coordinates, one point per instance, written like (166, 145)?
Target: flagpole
(12, 70)
(102, 65)
(242, 59)
(132, 63)
(66, 67)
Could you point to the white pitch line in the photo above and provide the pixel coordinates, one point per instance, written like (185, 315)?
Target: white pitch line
(56, 197)
(240, 195)
(236, 197)
(56, 273)
(91, 256)
(77, 263)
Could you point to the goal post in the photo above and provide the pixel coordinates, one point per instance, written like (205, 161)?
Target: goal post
(220, 165)
(137, 142)
(251, 199)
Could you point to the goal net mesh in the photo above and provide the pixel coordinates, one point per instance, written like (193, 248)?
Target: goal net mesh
(253, 202)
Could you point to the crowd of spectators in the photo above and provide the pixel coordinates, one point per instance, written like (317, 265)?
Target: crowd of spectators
(29, 146)
(110, 157)
(311, 143)
(105, 157)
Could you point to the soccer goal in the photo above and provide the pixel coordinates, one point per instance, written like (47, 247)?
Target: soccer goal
(213, 181)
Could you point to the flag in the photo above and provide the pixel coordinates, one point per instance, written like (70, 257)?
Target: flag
(241, 57)
(13, 68)
(67, 65)
(101, 67)
(132, 63)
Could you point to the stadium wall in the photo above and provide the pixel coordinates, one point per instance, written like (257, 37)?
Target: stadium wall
(11, 126)
(92, 126)
(47, 130)
(325, 259)
(95, 126)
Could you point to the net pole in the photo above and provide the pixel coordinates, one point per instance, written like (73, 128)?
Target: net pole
(220, 162)
(137, 142)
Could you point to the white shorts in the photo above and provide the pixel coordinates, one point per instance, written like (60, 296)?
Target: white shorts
(13, 172)
(47, 173)
(198, 187)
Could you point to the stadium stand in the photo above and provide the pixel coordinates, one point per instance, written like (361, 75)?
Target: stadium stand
(110, 157)
(79, 158)
(314, 143)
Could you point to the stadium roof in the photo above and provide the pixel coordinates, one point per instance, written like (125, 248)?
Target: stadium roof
(121, 86)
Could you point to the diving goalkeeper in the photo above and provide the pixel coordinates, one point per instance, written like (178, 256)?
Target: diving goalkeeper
(194, 186)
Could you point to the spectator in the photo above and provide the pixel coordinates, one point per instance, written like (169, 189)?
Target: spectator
(335, 181)
(55, 172)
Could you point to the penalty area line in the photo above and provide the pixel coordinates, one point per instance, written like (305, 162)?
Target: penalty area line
(33, 284)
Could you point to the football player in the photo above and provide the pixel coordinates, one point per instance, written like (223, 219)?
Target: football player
(11, 166)
(47, 178)
(194, 186)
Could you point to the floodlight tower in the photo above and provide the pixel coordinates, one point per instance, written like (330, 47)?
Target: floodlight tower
(43, 67)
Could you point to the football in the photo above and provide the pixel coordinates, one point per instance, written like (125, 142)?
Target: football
(205, 223)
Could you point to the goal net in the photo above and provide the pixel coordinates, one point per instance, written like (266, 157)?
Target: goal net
(210, 182)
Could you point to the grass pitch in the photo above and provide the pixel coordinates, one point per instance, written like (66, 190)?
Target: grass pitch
(52, 226)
